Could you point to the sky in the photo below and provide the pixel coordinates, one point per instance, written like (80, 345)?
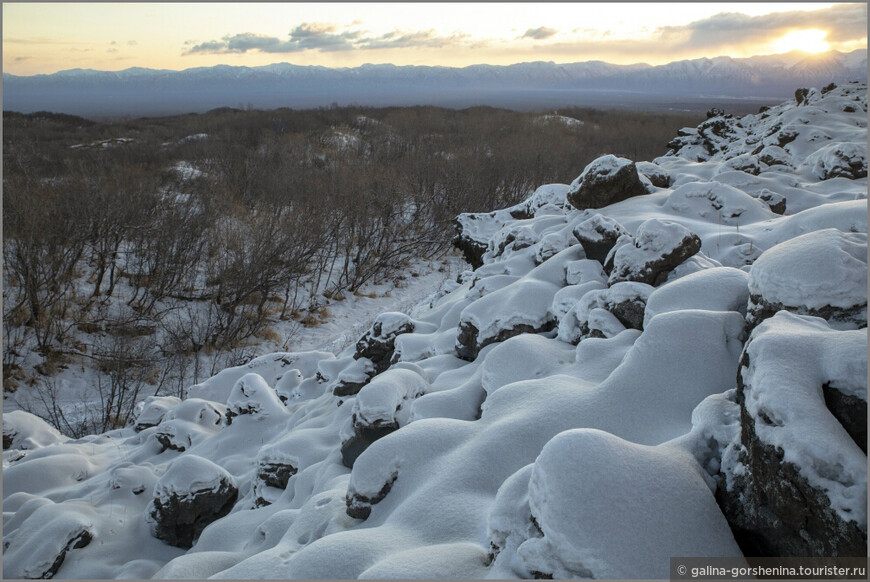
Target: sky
(48, 37)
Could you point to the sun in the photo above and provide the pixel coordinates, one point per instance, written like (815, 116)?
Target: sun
(809, 40)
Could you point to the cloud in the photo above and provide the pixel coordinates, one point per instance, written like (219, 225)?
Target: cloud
(843, 22)
(398, 39)
(19, 59)
(112, 50)
(323, 37)
(540, 33)
(132, 43)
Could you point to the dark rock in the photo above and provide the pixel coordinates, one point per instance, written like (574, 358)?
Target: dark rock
(828, 88)
(775, 201)
(467, 346)
(773, 510)
(714, 112)
(521, 212)
(786, 137)
(800, 95)
(597, 235)
(363, 437)
(78, 539)
(605, 181)
(638, 263)
(760, 309)
(169, 440)
(344, 388)
(360, 506)
(850, 411)
(8, 437)
(179, 517)
(472, 250)
(275, 474)
(657, 175)
(379, 342)
(629, 312)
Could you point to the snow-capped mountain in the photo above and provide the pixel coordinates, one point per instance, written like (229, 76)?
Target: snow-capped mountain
(524, 85)
(660, 359)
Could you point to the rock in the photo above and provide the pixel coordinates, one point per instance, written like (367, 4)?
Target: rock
(775, 201)
(153, 410)
(828, 88)
(252, 396)
(474, 231)
(467, 346)
(850, 411)
(552, 244)
(597, 234)
(352, 378)
(822, 273)
(658, 176)
(360, 506)
(788, 485)
(838, 160)
(8, 437)
(800, 95)
(275, 474)
(603, 313)
(472, 250)
(380, 408)
(192, 493)
(658, 246)
(362, 438)
(379, 342)
(773, 155)
(605, 181)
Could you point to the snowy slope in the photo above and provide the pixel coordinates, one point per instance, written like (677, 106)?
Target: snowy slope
(547, 414)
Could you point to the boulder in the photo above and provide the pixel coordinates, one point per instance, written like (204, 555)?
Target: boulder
(658, 176)
(794, 483)
(252, 396)
(822, 273)
(605, 181)
(380, 408)
(192, 493)
(359, 506)
(658, 247)
(597, 234)
(379, 342)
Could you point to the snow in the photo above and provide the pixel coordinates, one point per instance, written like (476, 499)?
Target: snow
(614, 446)
(817, 269)
(716, 289)
(790, 358)
(190, 474)
(602, 166)
(610, 509)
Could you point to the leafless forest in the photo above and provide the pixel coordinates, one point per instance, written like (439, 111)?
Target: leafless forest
(134, 246)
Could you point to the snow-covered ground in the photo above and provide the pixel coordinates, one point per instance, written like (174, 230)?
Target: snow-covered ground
(567, 409)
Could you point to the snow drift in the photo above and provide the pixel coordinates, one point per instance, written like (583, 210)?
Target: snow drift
(567, 409)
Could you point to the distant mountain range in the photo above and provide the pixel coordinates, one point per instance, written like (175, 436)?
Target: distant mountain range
(138, 91)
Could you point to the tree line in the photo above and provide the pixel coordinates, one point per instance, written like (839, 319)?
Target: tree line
(158, 250)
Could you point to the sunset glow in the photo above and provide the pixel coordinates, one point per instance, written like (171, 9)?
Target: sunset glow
(809, 41)
(48, 37)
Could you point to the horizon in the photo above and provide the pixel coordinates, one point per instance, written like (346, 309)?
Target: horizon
(797, 53)
(176, 37)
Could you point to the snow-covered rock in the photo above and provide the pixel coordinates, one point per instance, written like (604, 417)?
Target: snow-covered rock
(822, 273)
(795, 479)
(657, 247)
(605, 181)
(472, 438)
